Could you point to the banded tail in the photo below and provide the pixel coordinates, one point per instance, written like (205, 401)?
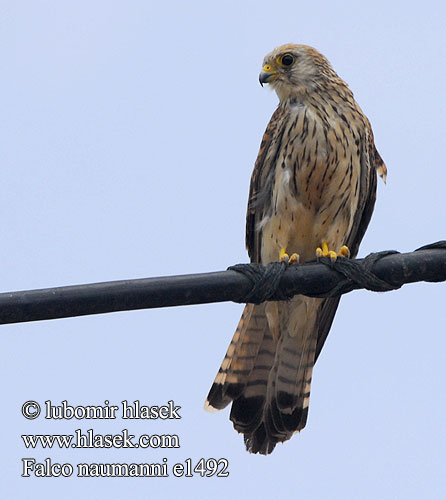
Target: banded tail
(267, 372)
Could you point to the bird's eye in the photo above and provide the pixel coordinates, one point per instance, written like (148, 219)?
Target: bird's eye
(287, 60)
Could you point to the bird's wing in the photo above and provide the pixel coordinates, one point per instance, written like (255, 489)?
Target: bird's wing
(371, 165)
(262, 180)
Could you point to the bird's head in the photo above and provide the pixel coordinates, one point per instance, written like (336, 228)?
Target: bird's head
(293, 70)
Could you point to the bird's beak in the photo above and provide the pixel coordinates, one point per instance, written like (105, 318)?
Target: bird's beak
(267, 75)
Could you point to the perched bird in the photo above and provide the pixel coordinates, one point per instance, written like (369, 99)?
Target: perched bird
(312, 194)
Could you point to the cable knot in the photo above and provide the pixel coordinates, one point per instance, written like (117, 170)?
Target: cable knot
(265, 281)
(357, 273)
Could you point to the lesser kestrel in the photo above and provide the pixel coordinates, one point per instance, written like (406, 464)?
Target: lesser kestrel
(312, 194)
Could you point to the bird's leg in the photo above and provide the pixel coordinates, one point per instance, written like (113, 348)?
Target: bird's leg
(284, 257)
(325, 252)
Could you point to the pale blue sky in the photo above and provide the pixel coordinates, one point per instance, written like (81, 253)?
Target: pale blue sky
(129, 131)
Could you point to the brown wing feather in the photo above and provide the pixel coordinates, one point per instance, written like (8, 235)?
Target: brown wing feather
(372, 164)
(262, 176)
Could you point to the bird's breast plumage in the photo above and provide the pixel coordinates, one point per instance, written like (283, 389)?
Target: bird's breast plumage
(314, 179)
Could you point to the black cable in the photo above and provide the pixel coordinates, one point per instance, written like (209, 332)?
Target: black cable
(242, 283)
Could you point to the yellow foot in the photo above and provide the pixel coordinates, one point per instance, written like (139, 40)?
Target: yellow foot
(294, 258)
(344, 252)
(284, 257)
(324, 252)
